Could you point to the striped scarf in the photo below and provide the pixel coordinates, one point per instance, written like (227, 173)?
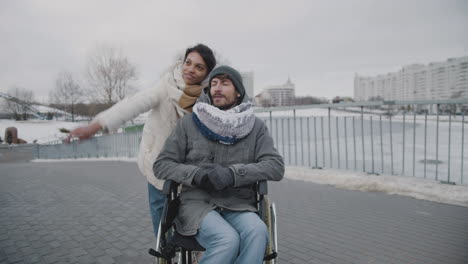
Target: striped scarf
(227, 127)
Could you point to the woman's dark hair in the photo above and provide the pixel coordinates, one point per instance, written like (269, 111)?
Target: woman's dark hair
(206, 54)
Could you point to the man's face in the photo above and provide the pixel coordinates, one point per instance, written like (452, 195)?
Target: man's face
(223, 93)
(194, 69)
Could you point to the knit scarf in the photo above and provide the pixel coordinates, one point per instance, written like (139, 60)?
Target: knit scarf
(189, 96)
(227, 127)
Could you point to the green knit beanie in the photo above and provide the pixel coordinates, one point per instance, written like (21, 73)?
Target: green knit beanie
(233, 75)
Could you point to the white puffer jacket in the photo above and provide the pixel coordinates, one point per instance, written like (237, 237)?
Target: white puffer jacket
(162, 100)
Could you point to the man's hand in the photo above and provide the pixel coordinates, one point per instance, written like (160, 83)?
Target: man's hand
(201, 178)
(221, 177)
(84, 132)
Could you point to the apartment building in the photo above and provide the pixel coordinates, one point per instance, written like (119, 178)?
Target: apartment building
(437, 80)
(279, 95)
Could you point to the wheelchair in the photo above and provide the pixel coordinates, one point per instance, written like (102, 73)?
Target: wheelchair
(173, 248)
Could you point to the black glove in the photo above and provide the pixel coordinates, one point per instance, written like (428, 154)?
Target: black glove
(220, 177)
(201, 178)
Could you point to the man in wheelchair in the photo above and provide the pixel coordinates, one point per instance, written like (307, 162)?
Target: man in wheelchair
(218, 154)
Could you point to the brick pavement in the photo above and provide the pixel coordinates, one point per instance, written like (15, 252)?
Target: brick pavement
(97, 212)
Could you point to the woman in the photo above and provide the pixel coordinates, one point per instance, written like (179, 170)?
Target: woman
(176, 93)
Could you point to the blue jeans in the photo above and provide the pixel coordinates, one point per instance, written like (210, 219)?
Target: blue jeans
(156, 203)
(232, 237)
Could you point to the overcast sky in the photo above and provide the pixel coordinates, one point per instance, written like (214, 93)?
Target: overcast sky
(320, 44)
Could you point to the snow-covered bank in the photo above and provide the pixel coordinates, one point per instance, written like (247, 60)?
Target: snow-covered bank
(418, 188)
(375, 113)
(41, 130)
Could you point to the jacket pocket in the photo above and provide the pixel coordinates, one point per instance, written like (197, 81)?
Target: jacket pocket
(244, 193)
(200, 152)
(241, 152)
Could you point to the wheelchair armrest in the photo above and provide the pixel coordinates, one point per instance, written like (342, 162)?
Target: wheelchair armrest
(262, 187)
(168, 186)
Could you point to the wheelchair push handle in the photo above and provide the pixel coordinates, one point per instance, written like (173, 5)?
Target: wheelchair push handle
(262, 187)
(169, 185)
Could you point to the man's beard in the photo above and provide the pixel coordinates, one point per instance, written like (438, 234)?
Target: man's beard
(227, 106)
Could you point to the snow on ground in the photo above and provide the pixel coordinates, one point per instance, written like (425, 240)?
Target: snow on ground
(307, 112)
(41, 130)
(311, 112)
(423, 189)
(418, 188)
(47, 109)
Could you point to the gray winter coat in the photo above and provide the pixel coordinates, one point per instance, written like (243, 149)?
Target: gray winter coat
(252, 159)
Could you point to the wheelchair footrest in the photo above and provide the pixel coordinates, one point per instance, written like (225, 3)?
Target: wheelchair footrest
(167, 254)
(270, 256)
(154, 253)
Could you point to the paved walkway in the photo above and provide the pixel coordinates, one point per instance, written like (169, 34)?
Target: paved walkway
(96, 212)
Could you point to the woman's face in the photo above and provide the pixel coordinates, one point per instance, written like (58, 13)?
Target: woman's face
(194, 69)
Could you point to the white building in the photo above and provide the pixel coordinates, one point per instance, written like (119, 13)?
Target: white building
(279, 95)
(437, 80)
(248, 81)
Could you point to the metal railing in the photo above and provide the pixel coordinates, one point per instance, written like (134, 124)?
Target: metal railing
(114, 145)
(372, 137)
(378, 138)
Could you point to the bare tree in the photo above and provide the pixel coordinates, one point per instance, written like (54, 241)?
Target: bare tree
(20, 102)
(110, 74)
(67, 92)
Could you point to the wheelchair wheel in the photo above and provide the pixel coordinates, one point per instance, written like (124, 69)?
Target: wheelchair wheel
(269, 217)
